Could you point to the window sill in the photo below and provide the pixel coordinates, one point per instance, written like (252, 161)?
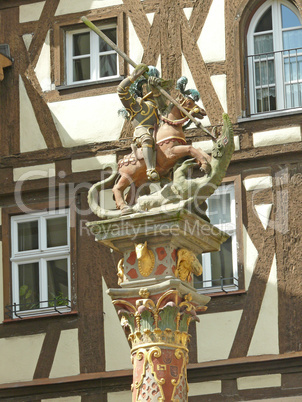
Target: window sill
(89, 84)
(222, 294)
(34, 317)
(270, 115)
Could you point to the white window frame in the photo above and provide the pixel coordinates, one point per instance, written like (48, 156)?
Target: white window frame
(230, 228)
(277, 31)
(41, 255)
(94, 55)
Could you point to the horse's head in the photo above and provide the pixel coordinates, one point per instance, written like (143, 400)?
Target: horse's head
(190, 105)
(140, 250)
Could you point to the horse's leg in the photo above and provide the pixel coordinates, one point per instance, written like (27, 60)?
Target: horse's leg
(180, 151)
(118, 191)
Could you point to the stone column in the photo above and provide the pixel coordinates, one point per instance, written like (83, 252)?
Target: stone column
(156, 301)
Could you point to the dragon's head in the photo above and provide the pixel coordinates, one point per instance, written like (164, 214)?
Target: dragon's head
(225, 142)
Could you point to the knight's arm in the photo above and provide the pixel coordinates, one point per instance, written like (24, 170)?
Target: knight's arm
(124, 94)
(161, 101)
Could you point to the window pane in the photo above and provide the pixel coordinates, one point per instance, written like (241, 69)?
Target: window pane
(57, 232)
(293, 95)
(266, 99)
(263, 43)
(111, 33)
(265, 22)
(108, 65)
(221, 264)
(289, 18)
(81, 44)
(219, 209)
(28, 236)
(265, 72)
(293, 68)
(29, 286)
(81, 69)
(292, 39)
(221, 268)
(57, 282)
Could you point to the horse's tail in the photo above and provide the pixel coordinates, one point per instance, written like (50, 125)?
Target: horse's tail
(93, 196)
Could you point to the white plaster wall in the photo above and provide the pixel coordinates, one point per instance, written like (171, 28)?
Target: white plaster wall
(259, 381)
(207, 145)
(19, 357)
(30, 12)
(136, 49)
(87, 120)
(204, 388)
(212, 39)
(188, 12)
(258, 183)
(150, 17)
(34, 172)
(219, 84)
(117, 350)
(43, 67)
(264, 211)
(215, 335)
(75, 6)
(191, 85)
(67, 359)
(265, 339)
(94, 163)
(123, 396)
(250, 257)
(27, 38)
(31, 138)
(275, 137)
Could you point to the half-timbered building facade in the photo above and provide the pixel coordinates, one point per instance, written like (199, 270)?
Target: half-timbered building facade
(60, 338)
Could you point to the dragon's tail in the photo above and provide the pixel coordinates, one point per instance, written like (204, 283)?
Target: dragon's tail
(93, 196)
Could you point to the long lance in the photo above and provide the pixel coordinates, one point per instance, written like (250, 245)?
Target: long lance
(133, 64)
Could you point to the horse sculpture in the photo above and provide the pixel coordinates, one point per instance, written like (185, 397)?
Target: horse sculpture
(170, 146)
(180, 192)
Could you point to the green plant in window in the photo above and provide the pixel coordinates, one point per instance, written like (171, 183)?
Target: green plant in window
(27, 298)
(58, 300)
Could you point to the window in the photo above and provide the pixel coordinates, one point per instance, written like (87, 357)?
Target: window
(40, 262)
(88, 57)
(274, 47)
(220, 268)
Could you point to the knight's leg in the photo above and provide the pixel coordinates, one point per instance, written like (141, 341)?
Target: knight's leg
(149, 155)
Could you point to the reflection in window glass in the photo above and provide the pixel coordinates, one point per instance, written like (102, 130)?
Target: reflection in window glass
(29, 286)
(221, 268)
(57, 231)
(28, 236)
(263, 43)
(289, 19)
(108, 65)
(57, 282)
(111, 33)
(219, 209)
(81, 44)
(81, 69)
(265, 22)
